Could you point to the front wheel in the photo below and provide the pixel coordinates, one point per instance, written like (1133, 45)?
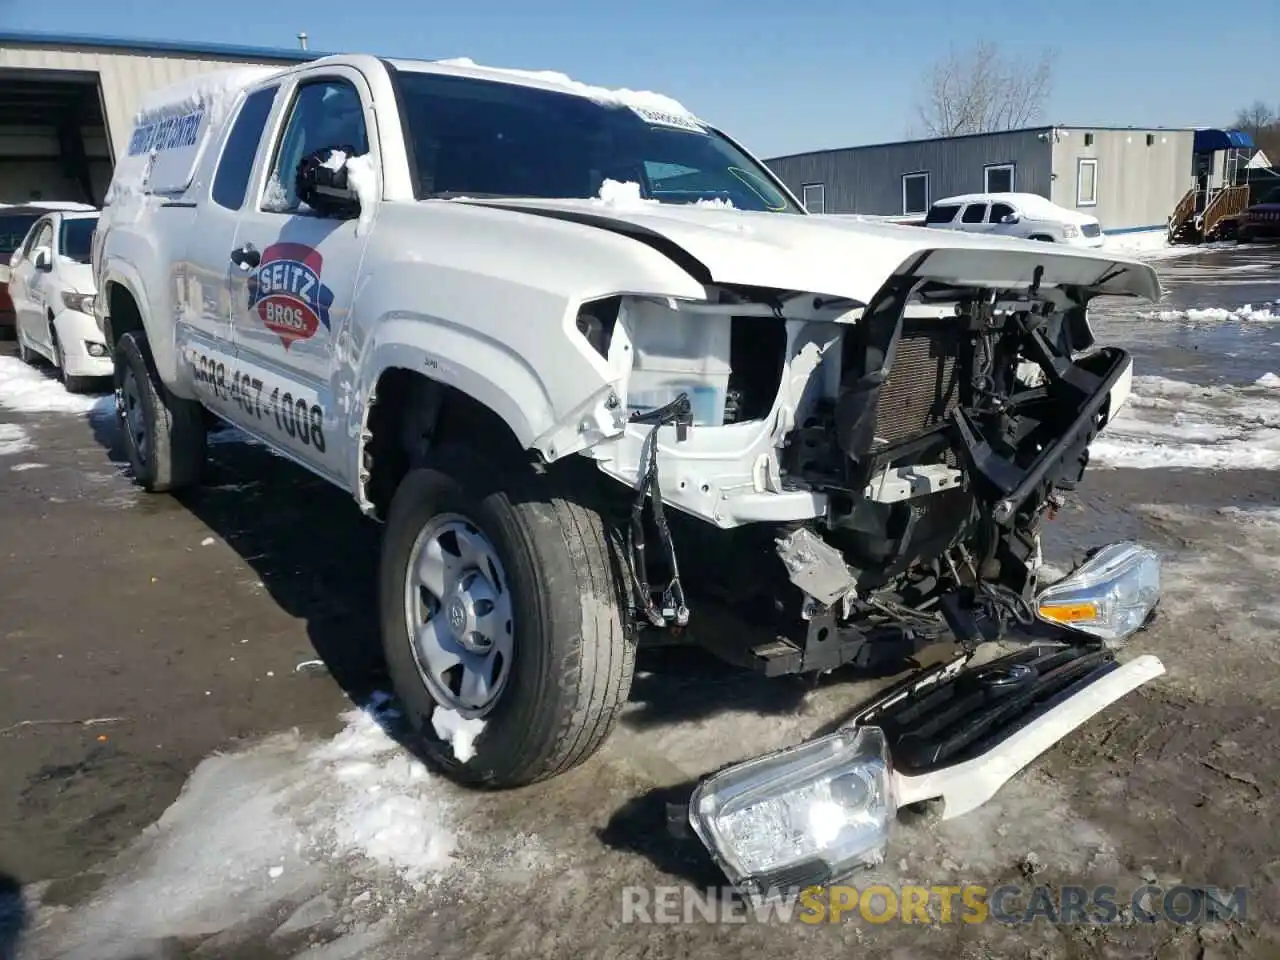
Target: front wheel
(500, 614)
(70, 384)
(164, 435)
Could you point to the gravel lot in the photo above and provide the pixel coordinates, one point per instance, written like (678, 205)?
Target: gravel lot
(198, 762)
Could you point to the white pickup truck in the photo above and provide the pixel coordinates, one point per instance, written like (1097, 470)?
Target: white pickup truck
(593, 366)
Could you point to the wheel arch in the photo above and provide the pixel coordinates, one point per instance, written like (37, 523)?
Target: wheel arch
(406, 413)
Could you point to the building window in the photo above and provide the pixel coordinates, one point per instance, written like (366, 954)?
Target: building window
(915, 193)
(1151, 139)
(814, 196)
(998, 178)
(1086, 182)
(1088, 139)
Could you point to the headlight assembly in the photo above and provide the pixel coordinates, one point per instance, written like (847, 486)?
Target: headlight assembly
(800, 816)
(80, 302)
(1110, 595)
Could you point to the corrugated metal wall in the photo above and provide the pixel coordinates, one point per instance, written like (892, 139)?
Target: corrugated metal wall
(869, 179)
(1138, 185)
(125, 78)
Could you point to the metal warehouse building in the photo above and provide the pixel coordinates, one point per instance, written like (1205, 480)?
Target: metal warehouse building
(67, 104)
(1130, 178)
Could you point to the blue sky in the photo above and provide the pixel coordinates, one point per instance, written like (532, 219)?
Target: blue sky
(782, 77)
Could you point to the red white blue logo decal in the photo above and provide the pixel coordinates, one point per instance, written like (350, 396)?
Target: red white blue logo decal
(287, 294)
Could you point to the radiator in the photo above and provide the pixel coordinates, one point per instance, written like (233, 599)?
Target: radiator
(924, 381)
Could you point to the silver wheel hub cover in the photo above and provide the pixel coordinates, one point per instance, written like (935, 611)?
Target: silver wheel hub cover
(459, 616)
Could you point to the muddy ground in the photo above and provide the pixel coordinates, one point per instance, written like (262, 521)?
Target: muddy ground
(187, 772)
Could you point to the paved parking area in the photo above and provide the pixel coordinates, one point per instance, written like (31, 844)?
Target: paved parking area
(188, 770)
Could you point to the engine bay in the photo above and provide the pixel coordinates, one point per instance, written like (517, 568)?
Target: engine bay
(864, 477)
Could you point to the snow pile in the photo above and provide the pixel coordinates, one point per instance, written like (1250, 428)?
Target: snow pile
(458, 732)
(643, 101)
(363, 180)
(1267, 313)
(255, 831)
(24, 389)
(1153, 245)
(717, 203)
(1267, 380)
(622, 195)
(275, 198)
(1171, 423)
(13, 440)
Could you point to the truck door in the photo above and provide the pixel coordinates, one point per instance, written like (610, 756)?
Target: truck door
(202, 276)
(293, 278)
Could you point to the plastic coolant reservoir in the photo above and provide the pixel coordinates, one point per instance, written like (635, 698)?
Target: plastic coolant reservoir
(677, 353)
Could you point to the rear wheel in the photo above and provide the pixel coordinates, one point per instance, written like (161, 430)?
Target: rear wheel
(25, 353)
(164, 435)
(1041, 237)
(500, 612)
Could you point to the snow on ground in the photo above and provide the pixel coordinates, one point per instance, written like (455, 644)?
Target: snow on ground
(293, 834)
(26, 389)
(13, 440)
(1173, 423)
(255, 832)
(1154, 245)
(1268, 312)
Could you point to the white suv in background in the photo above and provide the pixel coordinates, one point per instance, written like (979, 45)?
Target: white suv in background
(52, 287)
(1025, 215)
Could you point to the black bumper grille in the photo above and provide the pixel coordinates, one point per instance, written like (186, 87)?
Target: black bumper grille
(924, 385)
(956, 719)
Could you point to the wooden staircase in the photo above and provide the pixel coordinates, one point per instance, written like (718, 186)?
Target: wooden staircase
(1222, 208)
(1182, 225)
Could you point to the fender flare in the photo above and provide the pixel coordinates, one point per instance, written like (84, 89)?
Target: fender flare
(163, 349)
(455, 359)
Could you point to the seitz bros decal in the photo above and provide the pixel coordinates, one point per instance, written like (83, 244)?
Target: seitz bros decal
(286, 292)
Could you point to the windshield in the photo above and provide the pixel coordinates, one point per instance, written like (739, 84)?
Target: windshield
(75, 238)
(485, 138)
(13, 230)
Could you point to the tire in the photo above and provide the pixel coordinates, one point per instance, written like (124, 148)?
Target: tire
(164, 435)
(571, 662)
(1041, 237)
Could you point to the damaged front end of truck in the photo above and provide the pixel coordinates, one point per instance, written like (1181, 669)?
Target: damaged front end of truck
(874, 481)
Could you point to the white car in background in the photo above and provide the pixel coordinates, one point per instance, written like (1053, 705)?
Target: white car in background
(1025, 215)
(52, 287)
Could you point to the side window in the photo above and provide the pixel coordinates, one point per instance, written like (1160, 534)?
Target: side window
(43, 237)
(231, 182)
(41, 233)
(998, 212)
(974, 213)
(325, 113)
(942, 213)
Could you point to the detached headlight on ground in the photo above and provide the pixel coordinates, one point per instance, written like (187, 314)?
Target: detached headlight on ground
(800, 816)
(1110, 595)
(80, 302)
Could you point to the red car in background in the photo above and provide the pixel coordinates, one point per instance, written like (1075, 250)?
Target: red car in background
(14, 224)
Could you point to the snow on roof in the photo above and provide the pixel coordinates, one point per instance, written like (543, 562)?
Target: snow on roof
(643, 100)
(211, 89)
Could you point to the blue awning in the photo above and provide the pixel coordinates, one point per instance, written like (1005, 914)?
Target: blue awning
(1209, 141)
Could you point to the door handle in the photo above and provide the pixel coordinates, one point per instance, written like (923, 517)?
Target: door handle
(246, 257)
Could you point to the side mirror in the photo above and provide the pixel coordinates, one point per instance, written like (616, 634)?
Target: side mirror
(1010, 218)
(322, 184)
(42, 259)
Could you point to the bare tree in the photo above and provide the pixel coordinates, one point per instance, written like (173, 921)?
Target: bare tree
(1263, 125)
(979, 90)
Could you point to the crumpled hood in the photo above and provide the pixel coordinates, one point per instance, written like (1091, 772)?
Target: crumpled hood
(846, 258)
